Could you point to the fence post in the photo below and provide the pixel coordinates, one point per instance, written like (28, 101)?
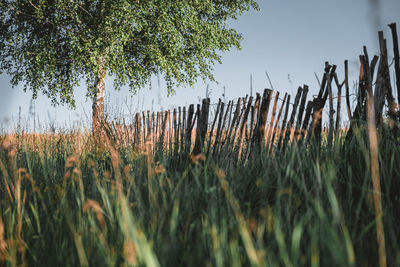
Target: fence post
(243, 125)
(283, 128)
(213, 125)
(189, 129)
(262, 118)
(138, 130)
(228, 111)
(289, 130)
(301, 111)
(396, 59)
(219, 128)
(271, 125)
(277, 121)
(202, 125)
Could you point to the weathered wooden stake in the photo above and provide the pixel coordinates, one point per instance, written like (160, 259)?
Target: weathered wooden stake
(289, 130)
(234, 123)
(224, 130)
(301, 111)
(271, 127)
(219, 128)
(306, 120)
(212, 127)
(396, 59)
(346, 83)
(262, 119)
(277, 121)
(202, 125)
(243, 126)
(283, 128)
(189, 128)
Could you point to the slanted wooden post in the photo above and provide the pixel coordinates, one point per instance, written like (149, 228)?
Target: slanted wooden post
(202, 125)
(175, 132)
(229, 121)
(283, 128)
(271, 127)
(242, 111)
(301, 111)
(219, 128)
(331, 111)
(189, 129)
(157, 127)
(195, 121)
(183, 128)
(164, 133)
(346, 83)
(223, 130)
(178, 132)
(243, 126)
(232, 125)
(170, 133)
(212, 127)
(382, 82)
(138, 131)
(149, 124)
(262, 118)
(319, 103)
(255, 113)
(144, 126)
(251, 120)
(257, 106)
(153, 131)
(277, 122)
(289, 131)
(396, 59)
(149, 133)
(306, 119)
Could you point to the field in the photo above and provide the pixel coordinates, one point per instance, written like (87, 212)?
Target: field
(67, 201)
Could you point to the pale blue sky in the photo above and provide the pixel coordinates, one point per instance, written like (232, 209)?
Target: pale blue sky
(286, 38)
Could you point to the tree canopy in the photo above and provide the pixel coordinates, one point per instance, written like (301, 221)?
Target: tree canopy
(50, 46)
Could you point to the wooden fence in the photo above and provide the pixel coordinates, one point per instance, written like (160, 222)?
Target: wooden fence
(248, 124)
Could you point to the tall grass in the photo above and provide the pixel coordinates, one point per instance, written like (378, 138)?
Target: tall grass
(66, 200)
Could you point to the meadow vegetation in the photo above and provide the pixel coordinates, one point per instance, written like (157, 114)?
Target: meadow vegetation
(67, 200)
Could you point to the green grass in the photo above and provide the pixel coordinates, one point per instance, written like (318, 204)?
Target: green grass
(66, 202)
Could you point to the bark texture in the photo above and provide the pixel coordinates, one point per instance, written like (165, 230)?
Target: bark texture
(98, 102)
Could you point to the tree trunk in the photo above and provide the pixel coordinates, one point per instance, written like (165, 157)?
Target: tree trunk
(98, 102)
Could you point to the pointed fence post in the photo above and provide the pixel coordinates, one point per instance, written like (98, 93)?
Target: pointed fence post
(396, 59)
(202, 124)
(259, 133)
(301, 111)
(212, 127)
(306, 119)
(289, 130)
(283, 128)
(277, 121)
(189, 129)
(271, 127)
(219, 128)
(138, 131)
(233, 124)
(224, 131)
(243, 126)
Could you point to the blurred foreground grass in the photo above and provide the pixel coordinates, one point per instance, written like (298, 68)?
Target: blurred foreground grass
(67, 201)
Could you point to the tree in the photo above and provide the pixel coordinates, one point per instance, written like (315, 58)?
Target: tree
(52, 45)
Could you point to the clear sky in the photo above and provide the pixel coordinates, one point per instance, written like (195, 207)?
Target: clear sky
(291, 39)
